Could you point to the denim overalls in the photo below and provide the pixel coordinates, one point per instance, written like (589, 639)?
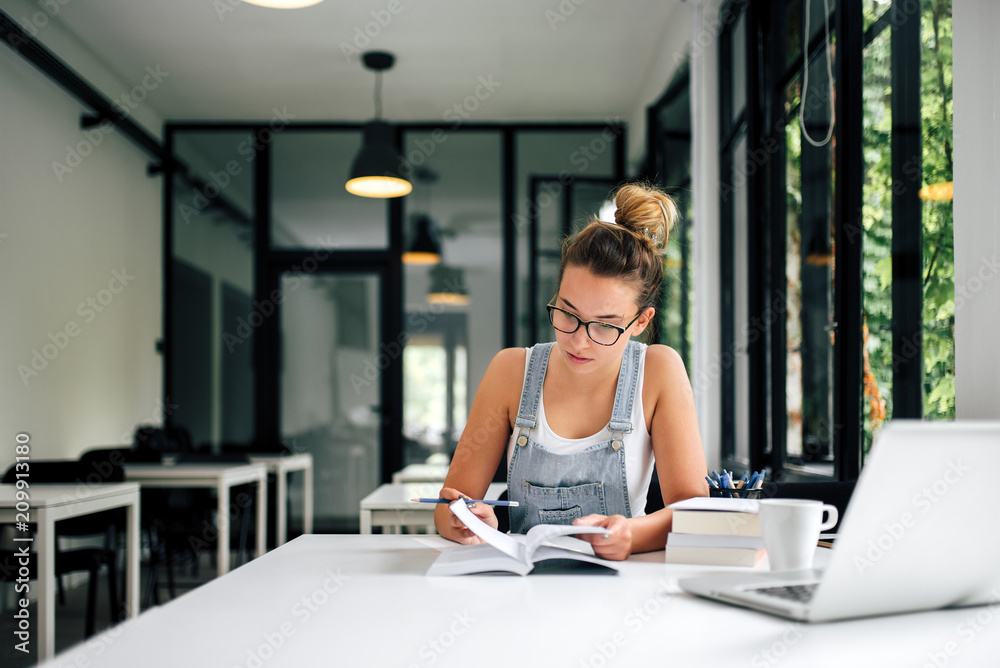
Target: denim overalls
(558, 488)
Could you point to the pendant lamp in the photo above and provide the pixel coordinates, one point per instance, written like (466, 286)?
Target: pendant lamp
(284, 4)
(447, 286)
(425, 249)
(375, 172)
(425, 246)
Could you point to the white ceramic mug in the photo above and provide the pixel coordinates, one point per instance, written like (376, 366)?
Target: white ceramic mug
(791, 528)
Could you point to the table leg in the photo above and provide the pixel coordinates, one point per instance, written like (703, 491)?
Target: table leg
(222, 528)
(281, 502)
(45, 543)
(366, 521)
(307, 520)
(132, 558)
(262, 514)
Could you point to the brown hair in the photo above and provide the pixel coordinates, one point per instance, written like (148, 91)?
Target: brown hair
(632, 247)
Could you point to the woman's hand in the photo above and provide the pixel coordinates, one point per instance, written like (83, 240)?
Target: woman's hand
(616, 545)
(456, 530)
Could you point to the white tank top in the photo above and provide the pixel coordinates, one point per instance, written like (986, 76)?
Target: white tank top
(638, 444)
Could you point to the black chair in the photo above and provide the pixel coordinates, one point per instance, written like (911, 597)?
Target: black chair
(88, 559)
(234, 458)
(169, 516)
(101, 459)
(172, 517)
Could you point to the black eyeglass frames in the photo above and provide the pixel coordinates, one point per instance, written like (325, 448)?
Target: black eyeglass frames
(601, 333)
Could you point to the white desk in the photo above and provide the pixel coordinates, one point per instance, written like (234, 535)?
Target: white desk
(364, 601)
(50, 503)
(421, 473)
(389, 506)
(221, 478)
(281, 466)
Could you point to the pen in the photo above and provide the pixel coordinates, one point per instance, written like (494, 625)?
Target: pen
(512, 504)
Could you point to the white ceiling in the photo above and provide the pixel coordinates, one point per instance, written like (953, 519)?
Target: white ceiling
(554, 60)
(545, 60)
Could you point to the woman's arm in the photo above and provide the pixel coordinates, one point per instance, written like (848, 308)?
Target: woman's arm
(680, 459)
(483, 442)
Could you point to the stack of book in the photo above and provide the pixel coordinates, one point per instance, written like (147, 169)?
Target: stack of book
(715, 531)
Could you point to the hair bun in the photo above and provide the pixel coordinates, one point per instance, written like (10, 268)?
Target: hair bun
(648, 212)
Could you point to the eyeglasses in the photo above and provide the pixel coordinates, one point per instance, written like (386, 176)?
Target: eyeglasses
(601, 333)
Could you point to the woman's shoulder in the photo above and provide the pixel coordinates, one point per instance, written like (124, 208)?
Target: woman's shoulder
(664, 364)
(501, 385)
(511, 357)
(508, 365)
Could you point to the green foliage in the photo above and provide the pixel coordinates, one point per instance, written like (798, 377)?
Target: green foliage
(938, 235)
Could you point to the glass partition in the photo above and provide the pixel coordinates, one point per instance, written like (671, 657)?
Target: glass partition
(449, 345)
(310, 207)
(553, 161)
(331, 387)
(212, 285)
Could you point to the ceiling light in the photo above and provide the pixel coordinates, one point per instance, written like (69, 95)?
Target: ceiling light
(425, 249)
(447, 286)
(284, 4)
(375, 172)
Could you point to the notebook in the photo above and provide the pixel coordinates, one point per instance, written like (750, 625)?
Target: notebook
(921, 532)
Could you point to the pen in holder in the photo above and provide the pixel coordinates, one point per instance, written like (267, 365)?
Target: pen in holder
(734, 493)
(727, 486)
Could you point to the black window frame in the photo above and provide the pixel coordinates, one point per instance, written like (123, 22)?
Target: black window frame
(763, 125)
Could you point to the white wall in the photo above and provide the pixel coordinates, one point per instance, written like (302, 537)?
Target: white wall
(692, 32)
(706, 362)
(63, 237)
(670, 54)
(976, 71)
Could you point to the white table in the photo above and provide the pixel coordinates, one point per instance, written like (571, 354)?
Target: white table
(365, 601)
(50, 503)
(421, 473)
(220, 477)
(389, 506)
(281, 466)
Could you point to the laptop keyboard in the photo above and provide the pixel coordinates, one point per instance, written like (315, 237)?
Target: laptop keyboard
(800, 593)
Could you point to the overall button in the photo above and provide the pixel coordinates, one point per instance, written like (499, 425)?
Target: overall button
(616, 445)
(522, 440)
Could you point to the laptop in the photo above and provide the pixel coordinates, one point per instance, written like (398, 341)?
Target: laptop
(921, 532)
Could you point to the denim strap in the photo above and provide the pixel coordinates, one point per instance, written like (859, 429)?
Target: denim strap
(527, 411)
(628, 378)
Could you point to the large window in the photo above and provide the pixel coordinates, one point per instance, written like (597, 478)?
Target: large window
(907, 112)
(838, 291)
(668, 162)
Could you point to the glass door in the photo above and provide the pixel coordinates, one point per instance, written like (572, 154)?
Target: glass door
(331, 384)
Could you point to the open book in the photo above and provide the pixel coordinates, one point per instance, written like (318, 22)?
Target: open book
(546, 547)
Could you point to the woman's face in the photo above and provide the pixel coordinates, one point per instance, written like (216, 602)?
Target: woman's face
(592, 297)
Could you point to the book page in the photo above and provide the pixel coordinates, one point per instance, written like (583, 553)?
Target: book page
(542, 534)
(501, 541)
(480, 559)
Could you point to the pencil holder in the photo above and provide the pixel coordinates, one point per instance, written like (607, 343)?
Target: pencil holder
(734, 493)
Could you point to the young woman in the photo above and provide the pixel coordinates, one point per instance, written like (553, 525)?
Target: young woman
(583, 420)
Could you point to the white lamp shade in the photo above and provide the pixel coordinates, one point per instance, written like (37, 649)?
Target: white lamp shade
(284, 4)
